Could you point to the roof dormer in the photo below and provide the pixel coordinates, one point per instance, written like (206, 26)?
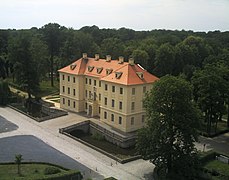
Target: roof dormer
(99, 69)
(90, 68)
(73, 66)
(109, 71)
(118, 75)
(140, 75)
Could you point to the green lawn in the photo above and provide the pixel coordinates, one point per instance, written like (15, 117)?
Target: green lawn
(28, 171)
(219, 167)
(46, 88)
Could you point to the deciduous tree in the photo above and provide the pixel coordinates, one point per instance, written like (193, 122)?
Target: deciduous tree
(172, 120)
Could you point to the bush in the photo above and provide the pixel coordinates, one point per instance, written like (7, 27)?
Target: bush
(98, 137)
(51, 170)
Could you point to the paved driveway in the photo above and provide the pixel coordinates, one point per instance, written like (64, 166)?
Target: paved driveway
(42, 140)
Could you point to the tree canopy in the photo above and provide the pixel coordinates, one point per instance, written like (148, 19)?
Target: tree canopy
(171, 130)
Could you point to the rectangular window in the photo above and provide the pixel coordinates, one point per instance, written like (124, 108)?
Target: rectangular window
(105, 115)
(120, 120)
(63, 88)
(68, 102)
(132, 121)
(86, 106)
(99, 96)
(74, 104)
(63, 77)
(94, 82)
(105, 101)
(143, 118)
(133, 91)
(86, 93)
(63, 101)
(74, 79)
(99, 110)
(86, 80)
(121, 90)
(106, 87)
(99, 83)
(132, 106)
(120, 105)
(113, 88)
(112, 103)
(68, 90)
(89, 81)
(74, 92)
(144, 89)
(68, 78)
(112, 117)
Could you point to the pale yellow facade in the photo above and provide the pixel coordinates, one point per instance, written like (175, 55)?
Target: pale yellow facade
(118, 105)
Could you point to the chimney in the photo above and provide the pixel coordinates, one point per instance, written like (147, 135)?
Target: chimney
(120, 59)
(108, 58)
(96, 57)
(84, 55)
(131, 61)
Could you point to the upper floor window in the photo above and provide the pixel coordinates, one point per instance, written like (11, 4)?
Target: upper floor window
(94, 82)
(74, 79)
(63, 100)
(74, 92)
(106, 87)
(112, 103)
(63, 77)
(63, 89)
(105, 101)
(99, 83)
(121, 90)
(86, 80)
(113, 88)
(68, 90)
(99, 96)
(89, 81)
(120, 105)
(68, 78)
(133, 91)
(68, 102)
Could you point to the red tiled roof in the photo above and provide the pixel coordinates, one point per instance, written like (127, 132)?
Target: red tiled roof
(123, 73)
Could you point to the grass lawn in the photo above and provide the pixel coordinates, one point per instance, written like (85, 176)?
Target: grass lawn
(46, 88)
(28, 171)
(218, 166)
(105, 145)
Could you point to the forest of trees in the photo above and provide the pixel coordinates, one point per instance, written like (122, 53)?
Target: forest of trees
(202, 58)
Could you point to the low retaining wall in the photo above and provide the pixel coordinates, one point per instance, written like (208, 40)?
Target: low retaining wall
(52, 113)
(88, 126)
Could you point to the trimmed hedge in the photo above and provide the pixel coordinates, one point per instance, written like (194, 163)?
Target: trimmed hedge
(69, 175)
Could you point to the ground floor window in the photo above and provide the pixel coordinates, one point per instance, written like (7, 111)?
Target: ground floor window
(105, 115)
(132, 121)
(120, 120)
(112, 117)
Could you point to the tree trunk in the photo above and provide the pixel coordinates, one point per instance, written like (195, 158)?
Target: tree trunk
(228, 112)
(51, 69)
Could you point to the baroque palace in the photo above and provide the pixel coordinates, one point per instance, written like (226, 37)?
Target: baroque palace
(110, 89)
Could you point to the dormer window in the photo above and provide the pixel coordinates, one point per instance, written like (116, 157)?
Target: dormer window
(99, 70)
(109, 71)
(140, 75)
(72, 66)
(118, 75)
(90, 68)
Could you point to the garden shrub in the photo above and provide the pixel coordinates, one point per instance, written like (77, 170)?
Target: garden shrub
(51, 170)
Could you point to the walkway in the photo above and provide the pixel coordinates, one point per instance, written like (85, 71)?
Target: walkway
(48, 132)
